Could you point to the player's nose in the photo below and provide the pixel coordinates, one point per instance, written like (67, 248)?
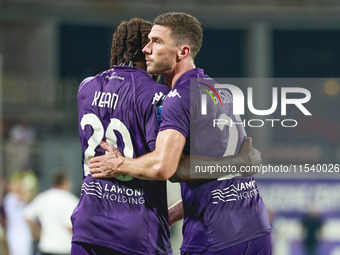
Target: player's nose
(147, 49)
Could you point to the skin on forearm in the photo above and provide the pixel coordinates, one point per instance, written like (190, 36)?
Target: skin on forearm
(188, 164)
(249, 156)
(160, 164)
(146, 167)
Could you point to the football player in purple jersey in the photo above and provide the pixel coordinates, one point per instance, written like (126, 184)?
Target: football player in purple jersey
(221, 216)
(121, 215)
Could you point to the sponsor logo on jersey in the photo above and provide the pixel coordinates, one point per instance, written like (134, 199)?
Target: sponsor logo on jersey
(173, 93)
(235, 192)
(114, 193)
(157, 97)
(114, 77)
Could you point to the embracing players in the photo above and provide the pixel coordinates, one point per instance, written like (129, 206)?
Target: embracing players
(223, 216)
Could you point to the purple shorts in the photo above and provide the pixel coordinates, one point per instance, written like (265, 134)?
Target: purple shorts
(79, 248)
(257, 246)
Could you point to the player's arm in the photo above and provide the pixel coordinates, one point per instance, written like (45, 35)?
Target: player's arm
(159, 164)
(176, 212)
(163, 162)
(249, 156)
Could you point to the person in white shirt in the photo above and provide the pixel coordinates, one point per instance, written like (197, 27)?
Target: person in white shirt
(52, 209)
(22, 189)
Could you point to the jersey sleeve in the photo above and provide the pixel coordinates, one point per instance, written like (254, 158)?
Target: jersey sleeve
(84, 82)
(176, 112)
(150, 126)
(148, 101)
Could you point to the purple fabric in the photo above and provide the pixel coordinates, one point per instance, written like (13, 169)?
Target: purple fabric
(220, 213)
(258, 246)
(124, 213)
(88, 249)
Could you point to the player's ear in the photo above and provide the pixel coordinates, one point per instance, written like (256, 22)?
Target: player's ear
(183, 51)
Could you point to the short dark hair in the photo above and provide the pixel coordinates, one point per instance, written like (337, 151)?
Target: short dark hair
(184, 29)
(128, 40)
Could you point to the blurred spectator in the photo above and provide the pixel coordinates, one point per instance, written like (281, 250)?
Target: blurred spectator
(312, 224)
(21, 139)
(22, 189)
(3, 242)
(52, 209)
(22, 133)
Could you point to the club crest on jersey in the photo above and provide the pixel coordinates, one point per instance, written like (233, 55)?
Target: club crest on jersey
(216, 95)
(159, 114)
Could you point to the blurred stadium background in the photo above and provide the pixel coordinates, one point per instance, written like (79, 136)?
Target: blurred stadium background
(48, 46)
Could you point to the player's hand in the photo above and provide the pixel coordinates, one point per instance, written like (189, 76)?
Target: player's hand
(106, 166)
(251, 156)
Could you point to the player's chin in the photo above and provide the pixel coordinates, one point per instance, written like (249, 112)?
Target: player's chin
(149, 69)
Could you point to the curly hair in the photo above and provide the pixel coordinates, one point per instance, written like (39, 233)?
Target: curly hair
(128, 41)
(184, 29)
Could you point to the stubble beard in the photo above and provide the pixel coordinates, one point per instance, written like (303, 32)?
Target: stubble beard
(159, 68)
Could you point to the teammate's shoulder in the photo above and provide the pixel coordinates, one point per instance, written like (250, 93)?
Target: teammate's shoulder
(92, 79)
(125, 73)
(85, 81)
(143, 75)
(115, 73)
(161, 87)
(98, 78)
(144, 81)
(184, 81)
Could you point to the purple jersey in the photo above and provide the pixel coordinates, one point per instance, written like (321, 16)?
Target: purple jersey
(125, 214)
(219, 213)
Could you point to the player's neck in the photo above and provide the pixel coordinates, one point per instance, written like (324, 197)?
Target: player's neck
(180, 68)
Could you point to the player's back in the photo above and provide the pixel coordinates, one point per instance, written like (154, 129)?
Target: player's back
(118, 106)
